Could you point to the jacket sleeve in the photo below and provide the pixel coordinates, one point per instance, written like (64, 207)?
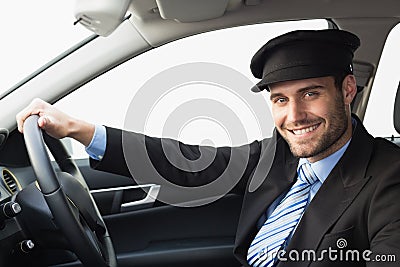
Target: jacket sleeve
(136, 155)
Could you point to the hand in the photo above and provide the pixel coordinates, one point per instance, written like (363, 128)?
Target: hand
(55, 122)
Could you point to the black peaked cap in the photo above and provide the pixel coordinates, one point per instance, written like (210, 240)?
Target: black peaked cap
(304, 54)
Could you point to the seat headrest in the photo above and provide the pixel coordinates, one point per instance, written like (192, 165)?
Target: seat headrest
(396, 113)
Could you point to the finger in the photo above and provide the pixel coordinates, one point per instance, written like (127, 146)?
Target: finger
(19, 122)
(34, 108)
(21, 117)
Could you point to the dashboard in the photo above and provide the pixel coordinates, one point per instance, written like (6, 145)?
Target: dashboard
(10, 185)
(13, 180)
(13, 241)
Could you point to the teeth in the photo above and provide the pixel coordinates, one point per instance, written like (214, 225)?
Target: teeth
(305, 130)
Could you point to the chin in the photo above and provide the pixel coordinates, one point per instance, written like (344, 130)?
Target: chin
(303, 153)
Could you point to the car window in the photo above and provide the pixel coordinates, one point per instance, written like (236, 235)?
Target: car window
(379, 114)
(28, 30)
(106, 100)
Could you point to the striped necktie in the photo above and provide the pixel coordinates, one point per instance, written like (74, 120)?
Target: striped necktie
(282, 221)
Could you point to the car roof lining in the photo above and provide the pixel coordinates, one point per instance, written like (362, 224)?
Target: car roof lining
(382, 18)
(150, 10)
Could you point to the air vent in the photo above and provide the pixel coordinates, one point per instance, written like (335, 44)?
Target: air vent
(10, 181)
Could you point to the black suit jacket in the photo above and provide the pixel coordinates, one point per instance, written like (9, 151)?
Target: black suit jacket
(358, 204)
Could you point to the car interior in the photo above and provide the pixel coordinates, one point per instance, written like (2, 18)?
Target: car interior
(58, 211)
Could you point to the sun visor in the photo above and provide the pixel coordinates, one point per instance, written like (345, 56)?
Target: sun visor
(191, 10)
(101, 16)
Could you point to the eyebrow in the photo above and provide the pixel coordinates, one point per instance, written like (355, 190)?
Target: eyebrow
(301, 90)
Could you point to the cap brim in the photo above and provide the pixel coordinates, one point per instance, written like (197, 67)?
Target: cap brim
(259, 87)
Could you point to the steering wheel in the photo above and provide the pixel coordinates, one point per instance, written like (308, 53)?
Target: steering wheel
(68, 198)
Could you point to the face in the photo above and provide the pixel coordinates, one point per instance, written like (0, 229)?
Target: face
(313, 115)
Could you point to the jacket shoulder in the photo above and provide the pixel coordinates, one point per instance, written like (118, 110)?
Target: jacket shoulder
(385, 149)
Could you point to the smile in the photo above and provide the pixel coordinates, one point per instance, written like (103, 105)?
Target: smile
(305, 130)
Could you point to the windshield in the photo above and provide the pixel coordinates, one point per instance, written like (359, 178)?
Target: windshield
(34, 32)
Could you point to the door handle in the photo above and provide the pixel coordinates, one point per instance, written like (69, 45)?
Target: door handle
(147, 201)
(126, 198)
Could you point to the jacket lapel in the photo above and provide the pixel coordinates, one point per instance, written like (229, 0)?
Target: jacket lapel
(271, 177)
(338, 191)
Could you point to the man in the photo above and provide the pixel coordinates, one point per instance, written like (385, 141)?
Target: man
(330, 195)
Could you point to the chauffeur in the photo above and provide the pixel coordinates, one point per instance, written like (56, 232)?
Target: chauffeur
(332, 187)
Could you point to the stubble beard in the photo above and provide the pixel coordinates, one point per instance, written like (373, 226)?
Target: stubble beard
(326, 142)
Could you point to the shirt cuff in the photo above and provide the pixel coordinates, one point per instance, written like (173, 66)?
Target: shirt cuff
(97, 146)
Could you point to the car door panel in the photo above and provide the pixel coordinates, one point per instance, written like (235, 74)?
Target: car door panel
(155, 234)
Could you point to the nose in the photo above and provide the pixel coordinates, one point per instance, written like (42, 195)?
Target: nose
(295, 112)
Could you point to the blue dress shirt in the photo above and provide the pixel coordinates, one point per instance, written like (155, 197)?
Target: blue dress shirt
(97, 146)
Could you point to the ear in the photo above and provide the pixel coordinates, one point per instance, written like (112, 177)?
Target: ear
(349, 89)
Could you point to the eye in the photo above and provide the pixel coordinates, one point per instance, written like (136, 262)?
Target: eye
(280, 100)
(310, 94)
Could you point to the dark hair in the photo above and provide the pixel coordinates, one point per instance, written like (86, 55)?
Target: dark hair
(339, 77)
